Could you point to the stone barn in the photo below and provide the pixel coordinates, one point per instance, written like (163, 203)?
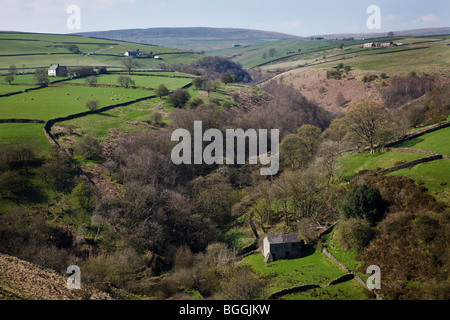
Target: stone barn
(284, 246)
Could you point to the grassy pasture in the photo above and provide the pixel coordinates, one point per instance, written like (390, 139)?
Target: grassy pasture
(314, 268)
(283, 274)
(352, 164)
(250, 56)
(17, 133)
(435, 176)
(59, 101)
(396, 59)
(107, 52)
(122, 119)
(437, 141)
(140, 81)
(4, 88)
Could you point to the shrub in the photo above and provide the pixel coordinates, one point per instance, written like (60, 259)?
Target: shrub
(91, 80)
(89, 147)
(363, 202)
(92, 105)
(82, 195)
(178, 98)
(354, 234)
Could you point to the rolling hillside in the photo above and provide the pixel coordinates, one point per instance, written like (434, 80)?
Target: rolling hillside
(28, 51)
(195, 39)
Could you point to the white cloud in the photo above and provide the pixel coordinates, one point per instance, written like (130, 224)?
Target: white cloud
(428, 18)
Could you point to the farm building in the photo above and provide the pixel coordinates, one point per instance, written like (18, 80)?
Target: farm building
(385, 44)
(133, 54)
(284, 246)
(369, 45)
(57, 71)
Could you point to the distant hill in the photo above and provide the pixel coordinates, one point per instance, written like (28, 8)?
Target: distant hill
(403, 33)
(194, 38)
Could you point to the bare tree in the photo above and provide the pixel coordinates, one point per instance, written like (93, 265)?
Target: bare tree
(129, 64)
(366, 120)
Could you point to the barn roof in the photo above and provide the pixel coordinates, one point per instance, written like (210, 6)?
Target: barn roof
(283, 238)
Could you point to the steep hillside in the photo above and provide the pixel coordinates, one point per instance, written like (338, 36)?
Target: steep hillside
(21, 280)
(308, 72)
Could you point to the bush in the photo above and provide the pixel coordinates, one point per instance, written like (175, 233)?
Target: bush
(363, 202)
(91, 80)
(354, 234)
(82, 195)
(92, 105)
(89, 147)
(178, 98)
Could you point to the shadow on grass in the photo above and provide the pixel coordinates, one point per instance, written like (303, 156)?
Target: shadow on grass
(410, 143)
(107, 115)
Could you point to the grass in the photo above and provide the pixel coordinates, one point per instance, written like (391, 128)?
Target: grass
(99, 125)
(251, 56)
(435, 175)
(282, 274)
(352, 164)
(140, 81)
(30, 133)
(4, 88)
(59, 101)
(108, 52)
(349, 290)
(436, 141)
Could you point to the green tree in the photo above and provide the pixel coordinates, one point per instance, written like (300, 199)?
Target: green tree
(9, 78)
(354, 234)
(89, 147)
(92, 105)
(41, 77)
(363, 202)
(272, 52)
(91, 80)
(82, 195)
(178, 98)
(161, 91)
(125, 81)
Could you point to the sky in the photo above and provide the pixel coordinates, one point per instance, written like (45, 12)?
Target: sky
(295, 17)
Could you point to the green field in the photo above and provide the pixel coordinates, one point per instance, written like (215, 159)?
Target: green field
(283, 274)
(124, 119)
(437, 141)
(251, 56)
(140, 81)
(349, 290)
(314, 268)
(59, 101)
(435, 176)
(352, 164)
(14, 88)
(28, 133)
(48, 49)
(427, 51)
